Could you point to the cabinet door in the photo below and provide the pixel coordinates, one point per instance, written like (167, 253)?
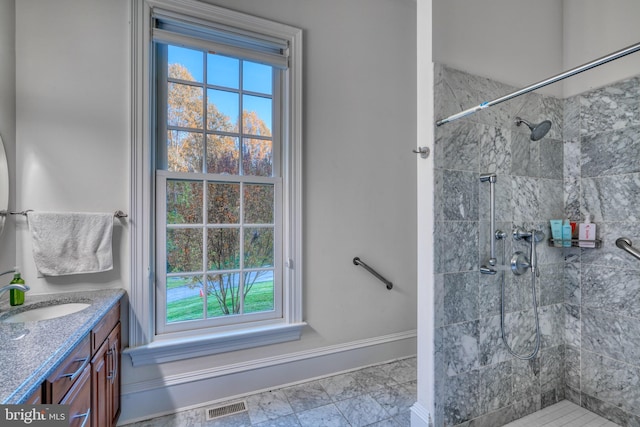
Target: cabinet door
(114, 374)
(79, 401)
(100, 393)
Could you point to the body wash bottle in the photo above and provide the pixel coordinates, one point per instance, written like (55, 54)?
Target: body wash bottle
(587, 233)
(566, 234)
(16, 296)
(556, 232)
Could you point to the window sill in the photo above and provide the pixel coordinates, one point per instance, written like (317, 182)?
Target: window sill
(171, 350)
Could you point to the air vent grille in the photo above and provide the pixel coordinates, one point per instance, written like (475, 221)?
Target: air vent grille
(223, 411)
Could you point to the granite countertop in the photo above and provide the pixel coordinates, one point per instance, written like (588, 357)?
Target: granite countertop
(31, 351)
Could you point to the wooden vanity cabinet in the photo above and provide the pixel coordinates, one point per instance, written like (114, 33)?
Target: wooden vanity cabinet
(105, 370)
(89, 378)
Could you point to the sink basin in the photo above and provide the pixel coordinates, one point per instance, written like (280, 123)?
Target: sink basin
(45, 313)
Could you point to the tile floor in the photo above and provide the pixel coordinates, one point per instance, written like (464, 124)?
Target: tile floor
(377, 396)
(563, 414)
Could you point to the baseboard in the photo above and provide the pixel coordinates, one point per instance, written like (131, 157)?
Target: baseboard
(420, 416)
(161, 396)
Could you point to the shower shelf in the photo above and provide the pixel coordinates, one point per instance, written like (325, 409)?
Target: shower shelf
(575, 243)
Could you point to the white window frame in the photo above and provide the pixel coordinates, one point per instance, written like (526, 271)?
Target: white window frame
(146, 346)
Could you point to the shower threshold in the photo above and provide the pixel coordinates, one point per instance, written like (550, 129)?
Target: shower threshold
(562, 414)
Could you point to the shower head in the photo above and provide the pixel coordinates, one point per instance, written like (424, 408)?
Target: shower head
(537, 131)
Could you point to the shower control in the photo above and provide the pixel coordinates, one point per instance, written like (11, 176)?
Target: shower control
(519, 263)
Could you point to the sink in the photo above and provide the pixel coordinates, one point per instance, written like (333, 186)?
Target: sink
(45, 313)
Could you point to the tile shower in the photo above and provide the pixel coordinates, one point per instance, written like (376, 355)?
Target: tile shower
(588, 298)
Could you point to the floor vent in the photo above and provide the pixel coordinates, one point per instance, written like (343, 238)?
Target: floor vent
(223, 411)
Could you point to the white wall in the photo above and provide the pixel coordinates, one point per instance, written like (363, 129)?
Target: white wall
(72, 89)
(517, 42)
(8, 123)
(359, 178)
(593, 29)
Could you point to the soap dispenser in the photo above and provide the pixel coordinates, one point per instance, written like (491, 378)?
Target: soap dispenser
(587, 233)
(16, 296)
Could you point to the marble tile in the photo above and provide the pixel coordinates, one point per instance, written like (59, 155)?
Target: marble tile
(610, 334)
(460, 346)
(268, 406)
(456, 246)
(610, 198)
(525, 202)
(396, 400)
(495, 151)
(551, 159)
(461, 297)
(609, 411)
(611, 107)
(572, 325)
(340, 387)
(461, 400)
(495, 387)
(191, 418)
(438, 300)
(572, 367)
(572, 395)
(492, 349)
(525, 155)
(526, 378)
(373, 378)
(571, 115)
(551, 199)
(611, 381)
(520, 331)
(489, 295)
(551, 397)
(551, 283)
(507, 414)
(402, 371)
(460, 192)
(306, 396)
(328, 416)
(611, 153)
(611, 289)
(362, 410)
(572, 277)
(552, 327)
(457, 146)
(552, 368)
(286, 421)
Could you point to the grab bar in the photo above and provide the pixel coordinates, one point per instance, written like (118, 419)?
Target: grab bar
(358, 261)
(625, 244)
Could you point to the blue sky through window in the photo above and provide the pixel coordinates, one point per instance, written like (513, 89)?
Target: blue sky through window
(224, 71)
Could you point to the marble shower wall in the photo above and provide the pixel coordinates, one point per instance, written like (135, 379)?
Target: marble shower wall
(477, 381)
(602, 286)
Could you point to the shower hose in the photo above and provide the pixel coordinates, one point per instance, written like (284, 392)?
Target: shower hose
(535, 307)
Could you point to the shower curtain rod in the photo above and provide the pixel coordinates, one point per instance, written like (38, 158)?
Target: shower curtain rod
(608, 58)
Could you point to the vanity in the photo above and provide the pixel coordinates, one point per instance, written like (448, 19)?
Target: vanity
(71, 359)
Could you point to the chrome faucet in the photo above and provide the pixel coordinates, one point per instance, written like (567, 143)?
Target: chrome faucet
(23, 288)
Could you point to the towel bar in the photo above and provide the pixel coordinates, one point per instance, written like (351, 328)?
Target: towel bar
(117, 214)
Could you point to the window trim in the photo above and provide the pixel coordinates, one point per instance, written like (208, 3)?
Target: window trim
(144, 345)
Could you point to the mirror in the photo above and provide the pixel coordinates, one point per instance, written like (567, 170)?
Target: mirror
(4, 186)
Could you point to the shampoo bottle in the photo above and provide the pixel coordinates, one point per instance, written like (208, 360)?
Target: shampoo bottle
(566, 234)
(16, 296)
(587, 233)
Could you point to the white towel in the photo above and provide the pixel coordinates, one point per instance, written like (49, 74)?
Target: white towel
(71, 243)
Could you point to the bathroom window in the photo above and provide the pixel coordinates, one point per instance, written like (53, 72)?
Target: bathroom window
(225, 128)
